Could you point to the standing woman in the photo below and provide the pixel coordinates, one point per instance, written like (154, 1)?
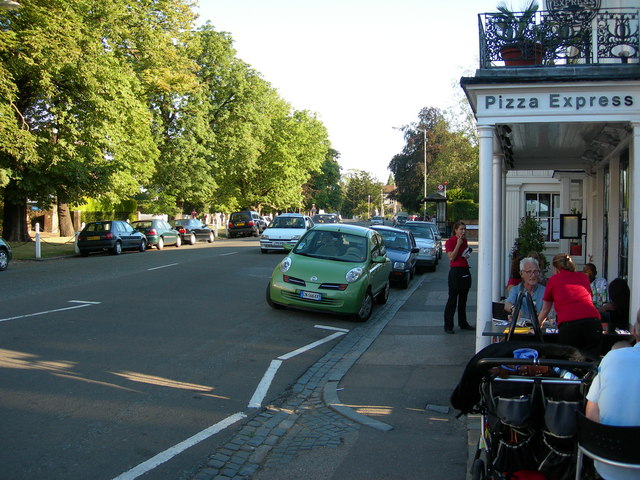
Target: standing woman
(459, 278)
(578, 319)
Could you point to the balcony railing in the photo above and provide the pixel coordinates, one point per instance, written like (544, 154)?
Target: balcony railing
(559, 38)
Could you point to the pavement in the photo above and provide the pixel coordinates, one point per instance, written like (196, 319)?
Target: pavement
(374, 407)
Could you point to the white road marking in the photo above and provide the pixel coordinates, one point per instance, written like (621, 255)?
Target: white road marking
(225, 254)
(263, 386)
(326, 327)
(81, 302)
(168, 454)
(300, 350)
(163, 266)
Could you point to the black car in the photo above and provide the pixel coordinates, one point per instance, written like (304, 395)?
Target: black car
(402, 251)
(5, 254)
(113, 236)
(158, 232)
(245, 223)
(325, 218)
(191, 230)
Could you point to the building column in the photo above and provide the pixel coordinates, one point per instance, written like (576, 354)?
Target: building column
(614, 216)
(485, 235)
(565, 206)
(498, 227)
(634, 224)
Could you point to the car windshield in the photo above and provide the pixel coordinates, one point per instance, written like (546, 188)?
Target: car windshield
(419, 230)
(287, 222)
(395, 240)
(340, 246)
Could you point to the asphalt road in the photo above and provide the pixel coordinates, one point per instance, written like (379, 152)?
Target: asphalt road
(109, 361)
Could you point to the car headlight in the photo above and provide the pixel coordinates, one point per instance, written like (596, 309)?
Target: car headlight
(432, 251)
(424, 251)
(265, 236)
(399, 265)
(285, 264)
(354, 274)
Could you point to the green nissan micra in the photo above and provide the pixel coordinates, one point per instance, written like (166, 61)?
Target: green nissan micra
(335, 268)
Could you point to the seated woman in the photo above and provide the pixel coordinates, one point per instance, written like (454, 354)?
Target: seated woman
(514, 274)
(616, 313)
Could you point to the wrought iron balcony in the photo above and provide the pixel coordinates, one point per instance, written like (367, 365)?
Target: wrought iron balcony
(559, 38)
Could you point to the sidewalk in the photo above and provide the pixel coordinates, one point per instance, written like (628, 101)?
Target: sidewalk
(375, 407)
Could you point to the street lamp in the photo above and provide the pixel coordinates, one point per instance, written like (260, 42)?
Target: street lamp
(368, 207)
(425, 173)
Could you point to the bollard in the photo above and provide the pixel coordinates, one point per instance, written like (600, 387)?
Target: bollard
(38, 251)
(75, 244)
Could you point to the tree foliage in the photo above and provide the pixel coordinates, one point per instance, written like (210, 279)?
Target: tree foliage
(323, 188)
(362, 194)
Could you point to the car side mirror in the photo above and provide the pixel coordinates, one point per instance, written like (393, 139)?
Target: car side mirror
(379, 259)
(415, 250)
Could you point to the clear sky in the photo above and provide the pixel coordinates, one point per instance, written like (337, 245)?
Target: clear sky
(365, 67)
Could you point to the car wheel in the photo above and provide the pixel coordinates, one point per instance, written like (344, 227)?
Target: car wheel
(178, 241)
(143, 245)
(117, 249)
(160, 244)
(405, 281)
(4, 260)
(271, 303)
(383, 296)
(192, 239)
(211, 238)
(366, 307)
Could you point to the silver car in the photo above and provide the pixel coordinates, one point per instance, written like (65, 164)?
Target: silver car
(425, 241)
(437, 236)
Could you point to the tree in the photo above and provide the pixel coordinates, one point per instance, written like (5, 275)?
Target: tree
(323, 188)
(362, 193)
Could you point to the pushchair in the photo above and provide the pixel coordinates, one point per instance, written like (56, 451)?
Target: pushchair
(527, 394)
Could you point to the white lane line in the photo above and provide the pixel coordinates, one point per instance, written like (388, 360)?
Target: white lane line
(163, 266)
(85, 301)
(336, 329)
(168, 454)
(225, 254)
(263, 386)
(84, 304)
(300, 350)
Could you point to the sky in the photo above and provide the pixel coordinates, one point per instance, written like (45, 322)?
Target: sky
(365, 68)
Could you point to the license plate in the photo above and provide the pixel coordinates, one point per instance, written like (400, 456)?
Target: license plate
(277, 243)
(93, 238)
(311, 295)
(240, 224)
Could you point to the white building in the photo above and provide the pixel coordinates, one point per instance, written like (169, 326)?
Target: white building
(559, 135)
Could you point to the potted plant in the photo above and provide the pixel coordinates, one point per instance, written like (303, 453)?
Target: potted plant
(530, 241)
(518, 34)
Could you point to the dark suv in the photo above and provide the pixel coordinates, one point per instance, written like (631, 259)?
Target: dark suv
(245, 223)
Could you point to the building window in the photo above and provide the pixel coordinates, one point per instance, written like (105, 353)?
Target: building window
(545, 207)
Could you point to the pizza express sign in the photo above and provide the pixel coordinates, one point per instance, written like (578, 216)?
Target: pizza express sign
(556, 103)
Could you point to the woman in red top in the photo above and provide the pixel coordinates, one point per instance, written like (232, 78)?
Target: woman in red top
(570, 293)
(459, 278)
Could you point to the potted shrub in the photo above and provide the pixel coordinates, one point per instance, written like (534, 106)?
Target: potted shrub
(518, 33)
(530, 241)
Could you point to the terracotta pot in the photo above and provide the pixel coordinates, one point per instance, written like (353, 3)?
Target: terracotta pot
(515, 56)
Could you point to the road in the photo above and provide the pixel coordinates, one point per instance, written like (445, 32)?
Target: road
(109, 361)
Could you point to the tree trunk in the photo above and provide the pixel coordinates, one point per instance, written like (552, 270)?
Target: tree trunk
(14, 219)
(65, 223)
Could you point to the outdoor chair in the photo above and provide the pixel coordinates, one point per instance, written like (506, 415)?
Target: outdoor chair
(613, 445)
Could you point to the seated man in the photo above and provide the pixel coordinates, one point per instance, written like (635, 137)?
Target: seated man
(614, 396)
(530, 274)
(598, 285)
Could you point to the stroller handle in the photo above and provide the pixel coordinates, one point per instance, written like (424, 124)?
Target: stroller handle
(545, 362)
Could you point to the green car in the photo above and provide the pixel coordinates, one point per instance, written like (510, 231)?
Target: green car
(5, 254)
(335, 268)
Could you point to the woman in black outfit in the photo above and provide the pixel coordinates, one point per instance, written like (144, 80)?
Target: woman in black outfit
(459, 280)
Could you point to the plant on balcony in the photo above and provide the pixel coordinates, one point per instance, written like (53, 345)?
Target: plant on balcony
(517, 33)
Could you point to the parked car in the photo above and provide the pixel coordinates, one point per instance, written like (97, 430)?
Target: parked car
(437, 237)
(333, 268)
(400, 218)
(285, 230)
(158, 232)
(191, 230)
(113, 236)
(428, 255)
(325, 218)
(5, 254)
(377, 220)
(402, 251)
(244, 223)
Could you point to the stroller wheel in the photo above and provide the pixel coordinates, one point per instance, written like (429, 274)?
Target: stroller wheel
(477, 470)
